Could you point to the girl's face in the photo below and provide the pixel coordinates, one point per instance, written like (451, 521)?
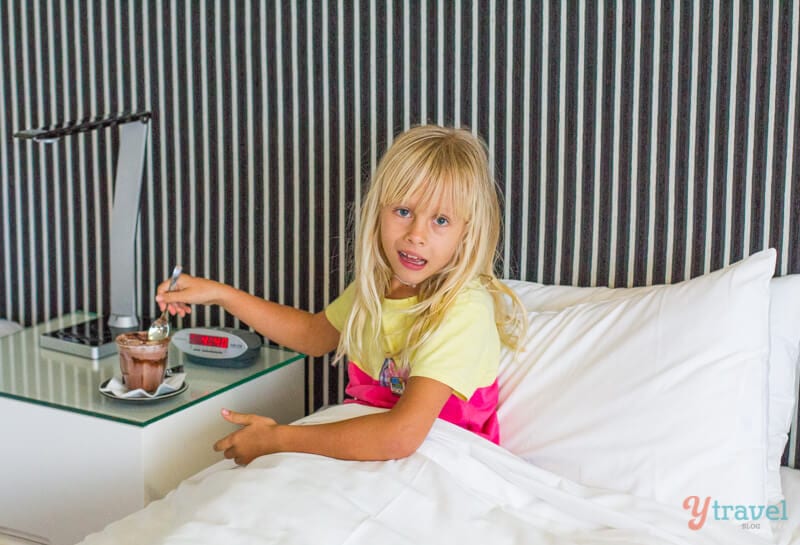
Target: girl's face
(419, 239)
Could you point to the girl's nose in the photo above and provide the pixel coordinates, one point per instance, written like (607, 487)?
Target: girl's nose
(416, 233)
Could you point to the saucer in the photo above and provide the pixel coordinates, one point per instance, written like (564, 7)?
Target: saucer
(145, 398)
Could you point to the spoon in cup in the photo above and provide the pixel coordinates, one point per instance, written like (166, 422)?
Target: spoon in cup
(159, 330)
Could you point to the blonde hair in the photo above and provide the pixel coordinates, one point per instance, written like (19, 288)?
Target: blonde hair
(446, 165)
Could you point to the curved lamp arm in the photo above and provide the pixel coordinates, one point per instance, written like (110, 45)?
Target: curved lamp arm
(125, 212)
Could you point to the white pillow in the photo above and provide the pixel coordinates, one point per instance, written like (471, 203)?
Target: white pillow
(784, 327)
(784, 336)
(661, 393)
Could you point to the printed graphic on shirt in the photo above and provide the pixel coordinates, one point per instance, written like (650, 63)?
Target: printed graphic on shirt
(393, 377)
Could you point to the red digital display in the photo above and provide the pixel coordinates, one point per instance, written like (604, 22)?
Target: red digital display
(208, 340)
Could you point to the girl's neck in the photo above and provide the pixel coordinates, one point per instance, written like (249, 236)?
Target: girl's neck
(403, 282)
(399, 289)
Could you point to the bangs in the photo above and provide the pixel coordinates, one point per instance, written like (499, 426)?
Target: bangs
(443, 175)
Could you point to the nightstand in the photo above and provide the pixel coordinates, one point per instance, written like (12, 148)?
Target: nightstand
(73, 460)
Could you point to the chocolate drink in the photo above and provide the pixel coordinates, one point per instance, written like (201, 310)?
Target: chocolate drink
(142, 362)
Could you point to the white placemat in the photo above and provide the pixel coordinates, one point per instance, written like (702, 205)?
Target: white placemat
(171, 384)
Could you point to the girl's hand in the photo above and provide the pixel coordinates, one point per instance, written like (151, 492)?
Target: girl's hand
(188, 290)
(257, 437)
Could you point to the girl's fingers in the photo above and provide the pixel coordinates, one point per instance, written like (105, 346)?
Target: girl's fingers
(179, 309)
(174, 307)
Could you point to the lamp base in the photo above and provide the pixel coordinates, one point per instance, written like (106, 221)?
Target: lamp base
(93, 339)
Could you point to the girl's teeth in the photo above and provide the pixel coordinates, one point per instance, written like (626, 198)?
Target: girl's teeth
(417, 260)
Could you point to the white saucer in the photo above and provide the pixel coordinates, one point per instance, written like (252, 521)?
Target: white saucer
(143, 399)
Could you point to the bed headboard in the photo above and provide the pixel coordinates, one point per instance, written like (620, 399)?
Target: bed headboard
(635, 144)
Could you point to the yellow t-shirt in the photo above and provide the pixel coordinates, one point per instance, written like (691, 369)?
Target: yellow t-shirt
(464, 353)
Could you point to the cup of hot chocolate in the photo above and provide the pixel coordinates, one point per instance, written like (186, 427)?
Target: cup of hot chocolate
(142, 362)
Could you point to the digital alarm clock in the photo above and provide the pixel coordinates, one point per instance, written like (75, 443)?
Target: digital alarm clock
(218, 346)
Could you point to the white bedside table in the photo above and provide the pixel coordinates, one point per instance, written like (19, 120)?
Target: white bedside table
(72, 460)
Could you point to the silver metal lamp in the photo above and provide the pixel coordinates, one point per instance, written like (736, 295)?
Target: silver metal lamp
(95, 339)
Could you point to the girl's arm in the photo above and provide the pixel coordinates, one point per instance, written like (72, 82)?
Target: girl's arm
(297, 329)
(384, 436)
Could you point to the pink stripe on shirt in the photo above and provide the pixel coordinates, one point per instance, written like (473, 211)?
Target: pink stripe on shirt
(478, 414)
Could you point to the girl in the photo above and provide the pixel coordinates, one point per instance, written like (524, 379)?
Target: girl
(422, 323)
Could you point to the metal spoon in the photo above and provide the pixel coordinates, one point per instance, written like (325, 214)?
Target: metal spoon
(159, 330)
(173, 371)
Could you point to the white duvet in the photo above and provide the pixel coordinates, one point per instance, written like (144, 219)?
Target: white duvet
(457, 488)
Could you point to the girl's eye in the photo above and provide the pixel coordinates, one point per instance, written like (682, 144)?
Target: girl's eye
(441, 221)
(402, 212)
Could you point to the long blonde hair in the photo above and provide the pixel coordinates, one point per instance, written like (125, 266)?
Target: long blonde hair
(446, 165)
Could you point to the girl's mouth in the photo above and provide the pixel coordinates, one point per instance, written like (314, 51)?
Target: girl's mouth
(411, 261)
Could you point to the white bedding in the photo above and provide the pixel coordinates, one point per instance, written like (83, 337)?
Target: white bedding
(788, 532)
(457, 488)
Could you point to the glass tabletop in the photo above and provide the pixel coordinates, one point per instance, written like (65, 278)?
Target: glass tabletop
(34, 374)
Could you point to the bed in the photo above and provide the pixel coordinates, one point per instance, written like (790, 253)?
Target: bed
(653, 415)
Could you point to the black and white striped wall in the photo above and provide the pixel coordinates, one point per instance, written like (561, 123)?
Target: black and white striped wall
(635, 142)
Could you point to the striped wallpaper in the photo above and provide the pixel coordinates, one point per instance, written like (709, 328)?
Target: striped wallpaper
(635, 142)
